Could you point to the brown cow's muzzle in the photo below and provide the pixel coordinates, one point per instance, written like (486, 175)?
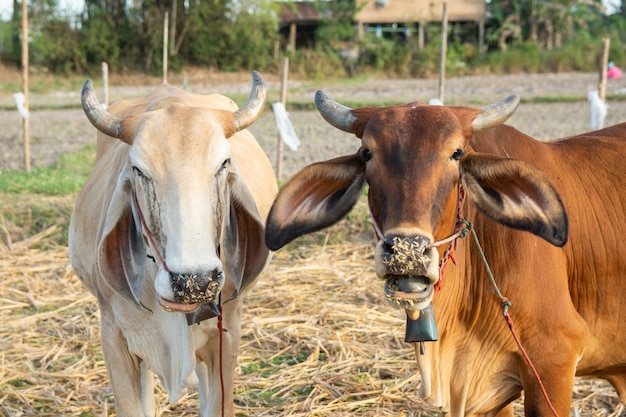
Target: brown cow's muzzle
(409, 266)
(192, 289)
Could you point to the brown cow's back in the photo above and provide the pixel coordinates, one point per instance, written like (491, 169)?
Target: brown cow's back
(587, 171)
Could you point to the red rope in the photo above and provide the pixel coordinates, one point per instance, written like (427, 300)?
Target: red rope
(221, 329)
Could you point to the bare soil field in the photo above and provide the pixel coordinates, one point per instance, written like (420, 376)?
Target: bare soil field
(54, 132)
(317, 337)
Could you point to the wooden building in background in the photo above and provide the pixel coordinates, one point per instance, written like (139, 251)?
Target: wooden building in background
(375, 13)
(415, 11)
(298, 19)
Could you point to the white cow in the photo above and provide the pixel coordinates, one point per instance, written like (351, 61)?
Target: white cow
(167, 231)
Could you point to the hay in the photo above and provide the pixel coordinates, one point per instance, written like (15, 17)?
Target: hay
(317, 340)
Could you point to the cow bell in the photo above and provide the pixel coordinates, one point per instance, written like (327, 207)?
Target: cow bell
(422, 329)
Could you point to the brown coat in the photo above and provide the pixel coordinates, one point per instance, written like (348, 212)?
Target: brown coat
(566, 279)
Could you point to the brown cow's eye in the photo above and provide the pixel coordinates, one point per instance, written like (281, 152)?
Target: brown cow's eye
(458, 154)
(366, 154)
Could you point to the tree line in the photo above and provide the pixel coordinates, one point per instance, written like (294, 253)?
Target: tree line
(233, 35)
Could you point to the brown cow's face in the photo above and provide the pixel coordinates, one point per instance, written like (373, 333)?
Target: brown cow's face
(413, 171)
(414, 158)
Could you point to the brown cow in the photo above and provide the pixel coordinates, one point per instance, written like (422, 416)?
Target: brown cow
(566, 290)
(167, 232)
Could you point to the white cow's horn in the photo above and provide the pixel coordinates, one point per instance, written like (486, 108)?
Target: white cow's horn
(334, 113)
(104, 121)
(251, 110)
(496, 114)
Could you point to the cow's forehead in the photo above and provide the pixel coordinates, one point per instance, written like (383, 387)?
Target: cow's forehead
(180, 136)
(414, 125)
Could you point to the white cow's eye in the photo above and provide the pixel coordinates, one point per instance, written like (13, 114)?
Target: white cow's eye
(225, 165)
(139, 173)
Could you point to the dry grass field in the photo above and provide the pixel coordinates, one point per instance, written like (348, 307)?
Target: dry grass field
(318, 339)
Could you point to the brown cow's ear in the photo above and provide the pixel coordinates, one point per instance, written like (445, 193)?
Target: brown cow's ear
(244, 254)
(515, 194)
(315, 198)
(121, 252)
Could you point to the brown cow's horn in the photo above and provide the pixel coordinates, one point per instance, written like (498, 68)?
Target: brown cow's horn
(104, 121)
(334, 113)
(496, 114)
(251, 110)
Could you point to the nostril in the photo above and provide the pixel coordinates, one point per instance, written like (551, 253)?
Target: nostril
(388, 243)
(196, 287)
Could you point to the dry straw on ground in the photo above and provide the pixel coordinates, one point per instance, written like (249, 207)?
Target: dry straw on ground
(318, 340)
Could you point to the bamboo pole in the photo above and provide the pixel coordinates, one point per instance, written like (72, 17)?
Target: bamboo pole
(283, 100)
(105, 83)
(443, 52)
(165, 47)
(602, 83)
(25, 118)
(173, 29)
(604, 61)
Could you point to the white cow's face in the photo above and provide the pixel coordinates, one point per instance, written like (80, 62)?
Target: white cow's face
(178, 198)
(180, 179)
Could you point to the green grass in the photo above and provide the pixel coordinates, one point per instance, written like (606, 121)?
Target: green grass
(33, 202)
(66, 177)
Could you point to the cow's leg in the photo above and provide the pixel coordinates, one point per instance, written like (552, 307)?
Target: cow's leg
(619, 383)
(124, 372)
(535, 404)
(555, 362)
(204, 395)
(147, 388)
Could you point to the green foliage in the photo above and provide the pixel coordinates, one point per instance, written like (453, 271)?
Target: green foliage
(527, 58)
(52, 40)
(316, 64)
(238, 35)
(55, 47)
(547, 22)
(581, 54)
(337, 24)
(66, 177)
(9, 42)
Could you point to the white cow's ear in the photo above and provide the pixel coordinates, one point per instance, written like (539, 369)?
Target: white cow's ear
(515, 194)
(244, 253)
(316, 197)
(121, 252)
